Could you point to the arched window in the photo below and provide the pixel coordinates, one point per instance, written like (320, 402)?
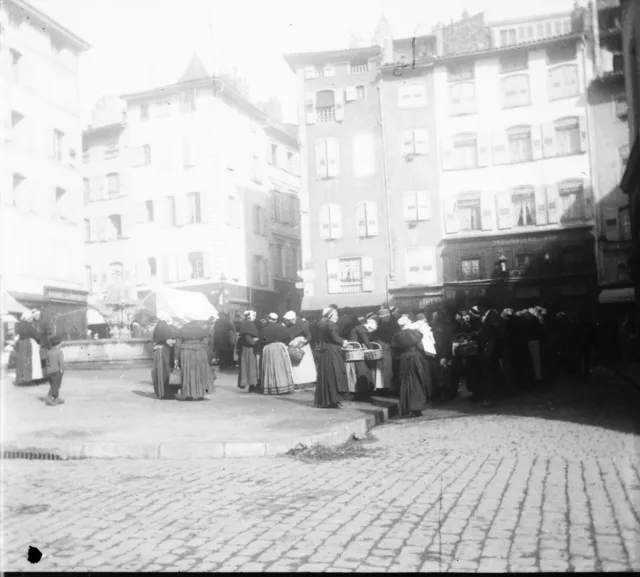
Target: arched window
(563, 82)
(515, 91)
(520, 149)
(462, 98)
(465, 150)
(567, 136)
(571, 192)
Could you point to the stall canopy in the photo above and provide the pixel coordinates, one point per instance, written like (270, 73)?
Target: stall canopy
(618, 295)
(11, 305)
(185, 305)
(95, 318)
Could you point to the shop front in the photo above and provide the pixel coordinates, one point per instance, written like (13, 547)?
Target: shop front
(414, 299)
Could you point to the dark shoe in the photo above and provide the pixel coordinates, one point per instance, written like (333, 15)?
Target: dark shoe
(49, 401)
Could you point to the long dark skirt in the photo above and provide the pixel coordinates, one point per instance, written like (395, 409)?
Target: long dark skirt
(197, 375)
(160, 371)
(248, 374)
(413, 387)
(225, 356)
(332, 377)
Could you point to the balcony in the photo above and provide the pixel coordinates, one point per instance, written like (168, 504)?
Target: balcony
(326, 114)
(351, 287)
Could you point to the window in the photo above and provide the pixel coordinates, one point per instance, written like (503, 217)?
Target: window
(568, 136)
(459, 72)
(412, 95)
(561, 54)
(273, 154)
(523, 201)
(330, 221)
(87, 230)
(188, 101)
(364, 163)
(258, 220)
(325, 106)
(258, 270)
(419, 266)
(310, 72)
(360, 92)
(547, 29)
(277, 257)
(513, 62)
(414, 142)
(16, 57)
(194, 215)
(566, 26)
(113, 184)
(290, 264)
(367, 219)
(529, 33)
(508, 37)
(462, 98)
(519, 138)
(468, 209)
(571, 200)
(58, 138)
(625, 223)
(515, 91)
(152, 263)
(327, 159)
(328, 70)
(86, 190)
(470, 269)
(558, 27)
(144, 111)
(111, 151)
(622, 107)
(196, 260)
(417, 206)
(171, 211)
(465, 151)
(146, 151)
(350, 275)
(149, 213)
(358, 67)
(563, 82)
(116, 272)
(115, 227)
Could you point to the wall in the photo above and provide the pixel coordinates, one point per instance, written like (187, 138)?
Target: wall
(91, 354)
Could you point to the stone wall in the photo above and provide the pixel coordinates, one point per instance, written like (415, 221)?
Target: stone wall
(107, 353)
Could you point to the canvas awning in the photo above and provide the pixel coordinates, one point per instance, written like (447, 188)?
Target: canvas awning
(180, 304)
(617, 295)
(95, 318)
(11, 305)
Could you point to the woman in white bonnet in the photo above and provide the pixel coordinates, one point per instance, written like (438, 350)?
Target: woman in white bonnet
(28, 362)
(164, 339)
(332, 372)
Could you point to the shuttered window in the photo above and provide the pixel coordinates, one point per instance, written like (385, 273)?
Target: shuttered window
(367, 219)
(515, 91)
(563, 82)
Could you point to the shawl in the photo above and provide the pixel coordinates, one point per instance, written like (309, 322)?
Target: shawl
(406, 339)
(162, 332)
(193, 332)
(248, 328)
(274, 333)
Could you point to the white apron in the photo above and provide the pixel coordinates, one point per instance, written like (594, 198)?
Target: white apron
(305, 371)
(36, 362)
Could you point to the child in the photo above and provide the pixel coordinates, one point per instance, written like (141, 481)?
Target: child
(55, 370)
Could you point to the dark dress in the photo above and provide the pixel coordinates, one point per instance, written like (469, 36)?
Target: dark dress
(223, 345)
(412, 376)
(386, 330)
(163, 361)
(276, 377)
(332, 373)
(362, 381)
(248, 375)
(197, 375)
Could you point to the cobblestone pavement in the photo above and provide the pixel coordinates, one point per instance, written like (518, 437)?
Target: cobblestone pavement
(479, 492)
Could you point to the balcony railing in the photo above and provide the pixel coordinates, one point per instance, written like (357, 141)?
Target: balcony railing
(326, 114)
(351, 287)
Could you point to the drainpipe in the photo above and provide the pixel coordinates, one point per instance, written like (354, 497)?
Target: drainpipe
(386, 187)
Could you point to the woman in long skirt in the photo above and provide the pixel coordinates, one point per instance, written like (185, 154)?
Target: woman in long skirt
(387, 328)
(197, 375)
(276, 377)
(412, 374)
(164, 337)
(359, 375)
(375, 366)
(332, 372)
(28, 362)
(304, 372)
(248, 375)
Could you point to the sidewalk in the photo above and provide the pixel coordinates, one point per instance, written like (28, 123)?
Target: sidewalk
(111, 414)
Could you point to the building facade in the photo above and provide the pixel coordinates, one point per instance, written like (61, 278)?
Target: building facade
(610, 144)
(186, 201)
(41, 250)
(515, 181)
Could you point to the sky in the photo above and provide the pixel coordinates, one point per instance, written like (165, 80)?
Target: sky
(140, 44)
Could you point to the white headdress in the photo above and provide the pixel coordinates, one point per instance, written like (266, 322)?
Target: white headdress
(290, 316)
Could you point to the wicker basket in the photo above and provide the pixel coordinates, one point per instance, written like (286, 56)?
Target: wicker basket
(373, 354)
(354, 353)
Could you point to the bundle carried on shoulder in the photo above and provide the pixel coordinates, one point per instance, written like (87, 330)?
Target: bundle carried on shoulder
(353, 352)
(464, 346)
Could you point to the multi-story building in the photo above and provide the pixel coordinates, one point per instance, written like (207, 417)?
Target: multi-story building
(180, 194)
(630, 183)
(346, 248)
(610, 145)
(41, 249)
(515, 178)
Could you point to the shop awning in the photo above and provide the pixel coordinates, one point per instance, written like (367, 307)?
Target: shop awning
(95, 318)
(180, 304)
(618, 295)
(11, 305)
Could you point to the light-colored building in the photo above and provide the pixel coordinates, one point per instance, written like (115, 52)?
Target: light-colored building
(180, 193)
(515, 182)
(41, 249)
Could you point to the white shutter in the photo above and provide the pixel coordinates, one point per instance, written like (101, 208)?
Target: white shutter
(541, 205)
(450, 214)
(363, 155)
(173, 267)
(424, 205)
(484, 149)
(549, 146)
(329, 70)
(421, 141)
(500, 144)
(372, 218)
(137, 155)
(322, 158)
(553, 208)
(323, 219)
(536, 141)
(429, 266)
(338, 100)
(487, 207)
(333, 157)
(102, 228)
(504, 210)
(367, 274)
(310, 108)
(335, 219)
(350, 93)
(406, 143)
(410, 206)
(361, 219)
(333, 276)
(206, 264)
(584, 142)
(93, 230)
(411, 266)
(612, 230)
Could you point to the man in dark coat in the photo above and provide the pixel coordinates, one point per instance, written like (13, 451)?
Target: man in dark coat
(486, 334)
(222, 337)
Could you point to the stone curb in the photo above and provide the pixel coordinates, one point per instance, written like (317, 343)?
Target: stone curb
(173, 451)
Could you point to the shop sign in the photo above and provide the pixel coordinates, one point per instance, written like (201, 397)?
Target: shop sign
(430, 301)
(63, 295)
(525, 240)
